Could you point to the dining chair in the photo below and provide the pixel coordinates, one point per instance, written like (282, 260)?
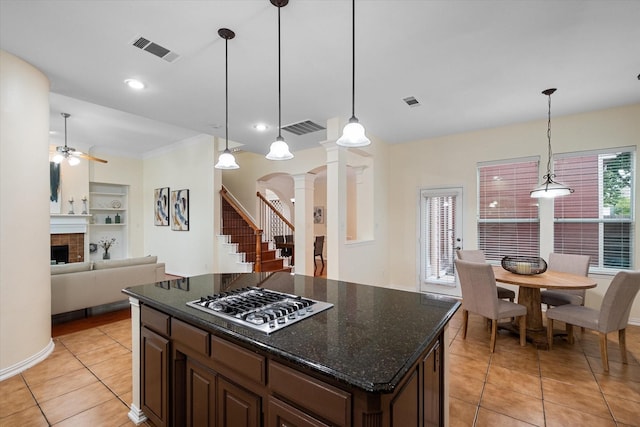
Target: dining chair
(566, 263)
(479, 296)
(612, 316)
(318, 247)
(285, 252)
(288, 238)
(478, 256)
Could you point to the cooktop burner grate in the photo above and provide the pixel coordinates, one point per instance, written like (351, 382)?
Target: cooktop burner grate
(260, 309)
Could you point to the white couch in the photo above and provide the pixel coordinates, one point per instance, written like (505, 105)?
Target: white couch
(83, 285)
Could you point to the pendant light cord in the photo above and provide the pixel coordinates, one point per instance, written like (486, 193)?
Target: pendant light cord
(226, 93)
(279, 82)
(353, 58)
(549, 138)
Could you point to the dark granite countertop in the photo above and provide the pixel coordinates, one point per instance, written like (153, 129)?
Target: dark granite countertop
(368, 339)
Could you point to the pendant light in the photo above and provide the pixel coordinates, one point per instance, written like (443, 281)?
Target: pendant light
(279, 149)
(353, 133)
(550, 188)
(226, 159)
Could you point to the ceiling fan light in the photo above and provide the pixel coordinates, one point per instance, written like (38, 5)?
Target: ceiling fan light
(279, 150)
(353, 135)
(226, 161)
(73, 160)
(58, 158)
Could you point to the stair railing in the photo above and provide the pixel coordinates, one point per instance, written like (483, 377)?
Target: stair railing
(272, 222)
(233, 202)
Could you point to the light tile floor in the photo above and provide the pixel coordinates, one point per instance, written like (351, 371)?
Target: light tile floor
(524, 386)
(87, 381)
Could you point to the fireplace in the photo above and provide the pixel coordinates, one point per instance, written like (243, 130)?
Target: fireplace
(74, 243)
(69, 231)
(59, 254)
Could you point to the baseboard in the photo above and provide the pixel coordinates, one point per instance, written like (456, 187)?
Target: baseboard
(27, 363)
(635, 321)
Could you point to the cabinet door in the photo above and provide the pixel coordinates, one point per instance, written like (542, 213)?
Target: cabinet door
(201, 396)
(154, 376)
(405, 406)
(283, 415)
(237, 407)
(432, 403)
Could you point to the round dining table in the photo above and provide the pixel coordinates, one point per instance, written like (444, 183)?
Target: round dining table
(529, 294)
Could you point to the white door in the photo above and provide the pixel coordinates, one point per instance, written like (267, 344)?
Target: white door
(440, 236)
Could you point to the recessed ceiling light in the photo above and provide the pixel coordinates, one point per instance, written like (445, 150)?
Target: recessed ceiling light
(260, 127)
(134, 84)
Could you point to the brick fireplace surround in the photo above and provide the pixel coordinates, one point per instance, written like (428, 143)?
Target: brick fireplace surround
(75, 242)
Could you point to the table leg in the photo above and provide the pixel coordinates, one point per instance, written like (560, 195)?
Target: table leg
(530, 298)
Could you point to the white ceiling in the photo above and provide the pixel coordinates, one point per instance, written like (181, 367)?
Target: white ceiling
(470, 64)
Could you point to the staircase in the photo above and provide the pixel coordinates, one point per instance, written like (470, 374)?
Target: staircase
(246, 237)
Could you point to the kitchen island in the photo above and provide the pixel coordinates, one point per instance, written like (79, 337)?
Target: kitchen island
(376, 358)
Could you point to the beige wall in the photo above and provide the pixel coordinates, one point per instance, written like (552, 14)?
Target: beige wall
(186, 165)
(451, 161)
(25, 290)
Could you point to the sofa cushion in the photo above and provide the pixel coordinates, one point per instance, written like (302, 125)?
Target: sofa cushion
(127, 262)
(73, 267)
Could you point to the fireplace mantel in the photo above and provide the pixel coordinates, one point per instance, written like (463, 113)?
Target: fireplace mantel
(68, 224)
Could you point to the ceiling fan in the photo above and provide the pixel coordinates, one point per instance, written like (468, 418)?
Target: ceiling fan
(71, 154)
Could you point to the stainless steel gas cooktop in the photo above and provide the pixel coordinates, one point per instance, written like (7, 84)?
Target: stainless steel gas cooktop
(260, 309)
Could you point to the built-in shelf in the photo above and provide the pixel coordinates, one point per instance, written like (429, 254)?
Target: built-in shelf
(106, 201)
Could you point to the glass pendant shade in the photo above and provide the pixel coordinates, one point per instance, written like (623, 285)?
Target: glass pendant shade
(353, 135)
(279, 150)
(226, 161)
(550, 189)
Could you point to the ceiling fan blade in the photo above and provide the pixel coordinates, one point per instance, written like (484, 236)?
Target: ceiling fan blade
(88, 157)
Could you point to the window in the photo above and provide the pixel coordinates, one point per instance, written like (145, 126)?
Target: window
(598, 218)
(508, 222)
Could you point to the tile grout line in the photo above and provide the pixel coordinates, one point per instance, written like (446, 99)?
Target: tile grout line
(84, 367)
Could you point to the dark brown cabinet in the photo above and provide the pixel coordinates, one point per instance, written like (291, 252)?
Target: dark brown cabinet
(432, 401)
(154, 376)
(200, 402)
(192, 377)
(237, 407)
(283, 415)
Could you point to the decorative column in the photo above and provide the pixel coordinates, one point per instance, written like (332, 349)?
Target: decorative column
(336, 211)
(135, 413)
(303, 190)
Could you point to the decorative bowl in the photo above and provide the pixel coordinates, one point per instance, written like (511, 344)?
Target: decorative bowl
(524, 265)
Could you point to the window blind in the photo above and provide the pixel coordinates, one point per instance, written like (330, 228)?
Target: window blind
(598, 218)
(508, 222)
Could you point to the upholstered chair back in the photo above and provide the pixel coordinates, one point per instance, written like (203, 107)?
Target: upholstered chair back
(617, 302)
(478, 285)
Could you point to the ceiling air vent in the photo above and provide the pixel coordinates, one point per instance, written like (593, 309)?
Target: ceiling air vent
(303, 128)
(411, 101)
(156, 49)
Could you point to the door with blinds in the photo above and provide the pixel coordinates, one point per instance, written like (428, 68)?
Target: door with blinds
(440, 236)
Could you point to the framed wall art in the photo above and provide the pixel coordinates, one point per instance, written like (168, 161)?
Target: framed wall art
(180, 210)
(161, 206)
(318, 214)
